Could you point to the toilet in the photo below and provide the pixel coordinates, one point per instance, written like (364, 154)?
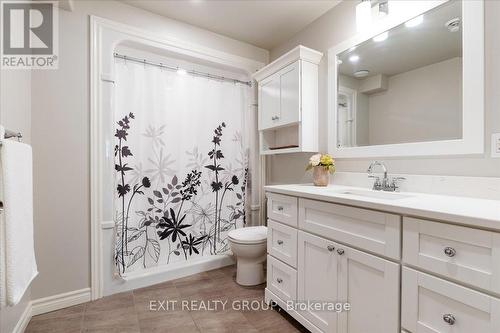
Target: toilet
(249, 246)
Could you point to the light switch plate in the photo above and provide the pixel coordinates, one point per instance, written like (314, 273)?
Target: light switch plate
(495, 145)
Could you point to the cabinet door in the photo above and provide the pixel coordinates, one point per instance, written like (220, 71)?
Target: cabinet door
(290, 94)
(317, 278)
(371, 286)
(269, 101)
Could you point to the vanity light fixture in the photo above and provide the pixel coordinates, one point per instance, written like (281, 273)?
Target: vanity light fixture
(181, 71)
(361, 73)
(364, 12)
(363, 15)
(380, 38)
(383, 8)
(354, 58)
(414, 22)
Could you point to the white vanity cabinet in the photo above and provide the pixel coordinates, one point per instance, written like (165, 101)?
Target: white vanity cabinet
(288, 102)
(329, 272)
(397, 273)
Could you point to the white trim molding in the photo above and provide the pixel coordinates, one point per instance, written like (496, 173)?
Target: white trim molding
(299, 52)
(472, 141)
(60, 301)
(49, 304)
(105, 36)
(23, 320)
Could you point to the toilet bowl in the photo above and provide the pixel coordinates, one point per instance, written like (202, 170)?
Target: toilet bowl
(249, 246)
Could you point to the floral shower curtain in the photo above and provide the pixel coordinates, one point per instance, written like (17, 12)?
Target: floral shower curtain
(181, 165)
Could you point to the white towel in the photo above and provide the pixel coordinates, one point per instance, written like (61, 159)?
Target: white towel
(17, 252)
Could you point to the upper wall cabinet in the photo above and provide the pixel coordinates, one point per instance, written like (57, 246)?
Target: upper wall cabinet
(288, 102)
(413, 85)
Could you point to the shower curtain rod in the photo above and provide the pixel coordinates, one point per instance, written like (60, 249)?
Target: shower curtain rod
(191, 72)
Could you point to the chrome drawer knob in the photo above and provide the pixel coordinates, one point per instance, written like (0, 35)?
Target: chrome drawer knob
(330, 248)
(340, 251)
(279, 241)
(279, 280)
(275, 118)
(449, 251)
(449, 319)
(280, 208)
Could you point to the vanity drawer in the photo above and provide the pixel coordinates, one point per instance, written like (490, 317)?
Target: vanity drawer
(369, 230)
(282, 242)
(430, 304)
(282, 208)
(281, 279)
(464, 254)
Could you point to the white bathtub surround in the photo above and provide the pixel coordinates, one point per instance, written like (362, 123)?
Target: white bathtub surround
(417, 260)
(109, 37)
(17, 253)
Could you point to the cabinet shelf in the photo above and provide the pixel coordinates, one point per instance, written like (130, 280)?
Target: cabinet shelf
(288, 102)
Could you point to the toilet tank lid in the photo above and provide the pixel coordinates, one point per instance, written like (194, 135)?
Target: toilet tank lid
(249, 234)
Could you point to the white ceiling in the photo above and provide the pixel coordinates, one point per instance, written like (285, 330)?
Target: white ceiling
(263, 23)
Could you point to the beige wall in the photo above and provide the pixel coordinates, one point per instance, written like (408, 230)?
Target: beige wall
(61, 139)
(15, 114)
(338, 25)
(423, 104)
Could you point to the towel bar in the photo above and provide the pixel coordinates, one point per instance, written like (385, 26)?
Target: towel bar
(11, 134)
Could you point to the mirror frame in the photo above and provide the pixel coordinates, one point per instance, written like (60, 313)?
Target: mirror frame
(472, 141)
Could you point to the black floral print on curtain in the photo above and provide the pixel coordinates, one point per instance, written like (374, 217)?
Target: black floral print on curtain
(177, 218)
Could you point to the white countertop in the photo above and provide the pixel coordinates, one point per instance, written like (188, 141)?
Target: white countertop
(481, 213)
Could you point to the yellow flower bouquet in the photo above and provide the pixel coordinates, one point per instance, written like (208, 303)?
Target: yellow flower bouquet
(322, 160)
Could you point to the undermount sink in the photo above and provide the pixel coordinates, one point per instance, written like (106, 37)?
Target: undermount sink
(375, 194)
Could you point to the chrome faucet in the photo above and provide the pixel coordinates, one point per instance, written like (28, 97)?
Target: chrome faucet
(389, 185)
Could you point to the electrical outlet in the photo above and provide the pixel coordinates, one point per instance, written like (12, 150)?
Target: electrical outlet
(495, 145)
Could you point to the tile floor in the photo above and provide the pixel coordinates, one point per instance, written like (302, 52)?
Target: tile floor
(130, 312)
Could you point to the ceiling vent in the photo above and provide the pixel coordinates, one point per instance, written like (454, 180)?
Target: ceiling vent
(453, 25)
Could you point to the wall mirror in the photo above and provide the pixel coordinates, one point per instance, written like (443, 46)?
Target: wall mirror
(413, 88)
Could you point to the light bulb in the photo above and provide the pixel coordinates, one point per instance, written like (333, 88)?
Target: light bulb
(354, 58)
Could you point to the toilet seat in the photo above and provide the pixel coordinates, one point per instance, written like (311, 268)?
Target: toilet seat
(248, 235)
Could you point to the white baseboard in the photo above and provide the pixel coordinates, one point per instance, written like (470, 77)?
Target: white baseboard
(24, 320)
(64, 300)
(60, 301)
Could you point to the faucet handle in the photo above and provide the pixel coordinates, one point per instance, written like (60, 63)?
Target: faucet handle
(395, 182)
(377, 185)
